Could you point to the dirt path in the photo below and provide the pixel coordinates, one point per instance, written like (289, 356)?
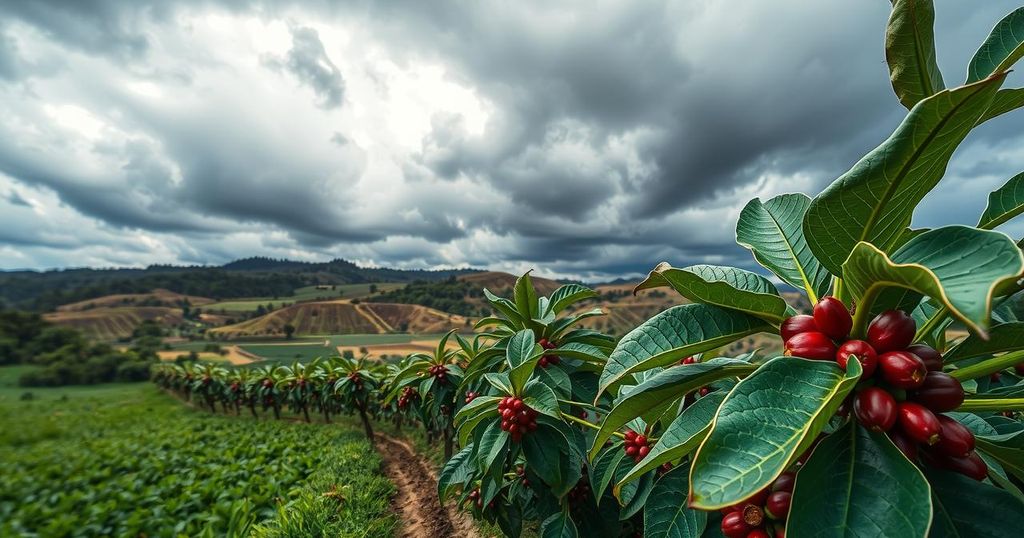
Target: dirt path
(373, 318)
(416, 501)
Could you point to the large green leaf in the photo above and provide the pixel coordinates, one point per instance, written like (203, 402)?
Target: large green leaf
(1007, 449)
(1004, 203)
(910, 51)
(858, 484)
(681, 437)
(568, 295)
(727, 287)
(874, 200)
(526, 297)
(455, 472)
(959, 266)
(664, 387)
(1005, 101)
(1004, 46)
(765, 423)
(773, 231)
(559, 525)
(965, 508)
(666, 514)
(1001, 338)
(522, 355)
(676, 333)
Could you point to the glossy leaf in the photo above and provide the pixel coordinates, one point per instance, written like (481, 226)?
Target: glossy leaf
(526, 296)
(681, 437)
(773, 231)
(727, 287)
(1007, 449)
(1005, 101)
(568, 295)
(664, 387)
(874, 200)
(676, 333)
(1004, 46)
(522, 355)
(910, 51)
(456, 471)
(1004, 203)
(858, 484)
(765, 423)
(959, 266)
(559, 525)
(666, 514)
(1001, 338)
(967, 508)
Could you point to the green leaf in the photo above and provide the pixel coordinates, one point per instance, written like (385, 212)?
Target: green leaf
(547, 451)
(765, 423)
(455, 472)
(1004, 46)
(858, 484)
(605, 467)
(666, 514)
(965, 508)
(727, 287)
(1001, 338)
(1004, 203)
(959, 266)
(522, 355)
(676, 333)
(910, 51)
(580, 351)
(491, 447)
(1005, 101)
(542, 399)
(559, 525)
(664, 387)
(774, 232)
(568, 295)
(1007, 449)
(526, 297)
(874, 200)
(681, 437)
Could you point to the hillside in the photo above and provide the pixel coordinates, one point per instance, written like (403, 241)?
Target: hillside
(113, 323)
(502, 283)
(157, 297)
(338, 317)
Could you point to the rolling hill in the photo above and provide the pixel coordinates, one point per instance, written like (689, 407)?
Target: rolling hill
(113, 323)
(340, 317)
(157, 297)
(502, 283)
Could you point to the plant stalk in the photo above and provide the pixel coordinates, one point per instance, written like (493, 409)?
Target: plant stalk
(992, 404)
(860, 317)
(588, 424)
(937, 318)
(989, 366)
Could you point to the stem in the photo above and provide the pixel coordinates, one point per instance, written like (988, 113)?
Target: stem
(937, 318)
(837, 292)
(860, 318)
(579, 404)
(989, 366)
(587, 424)
(992, 404)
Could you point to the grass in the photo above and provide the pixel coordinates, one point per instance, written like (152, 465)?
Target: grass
(308, 293)
(301, 353)
(129, 460)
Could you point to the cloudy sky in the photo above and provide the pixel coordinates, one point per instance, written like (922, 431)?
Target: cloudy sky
(589, 139)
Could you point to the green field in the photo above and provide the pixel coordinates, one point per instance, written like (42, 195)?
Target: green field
(308, 293)
(129, 460)
(288, 353)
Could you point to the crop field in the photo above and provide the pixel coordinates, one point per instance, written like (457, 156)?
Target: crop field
(308, 293)
(127, 460)
(108, 324)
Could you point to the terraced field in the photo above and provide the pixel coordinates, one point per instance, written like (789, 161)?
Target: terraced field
(339, 317)
(308, 293)
(113, 323)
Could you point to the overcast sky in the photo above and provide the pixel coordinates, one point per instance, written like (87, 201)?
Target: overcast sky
(588, 139)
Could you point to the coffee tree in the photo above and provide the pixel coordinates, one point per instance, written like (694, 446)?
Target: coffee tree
(873, 422)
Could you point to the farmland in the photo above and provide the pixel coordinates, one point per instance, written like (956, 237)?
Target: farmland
(307, 293)
(120, 460)
(341, 317)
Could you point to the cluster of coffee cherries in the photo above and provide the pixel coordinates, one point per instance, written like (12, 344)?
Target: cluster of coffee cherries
(356, 380)
(703, 391)
(907, 391)
(477, 499)
(580, 491)
(548, 360)
(409, 394)
(762, 515)
(470, 396)
(521, 472)
(440, 372)
(637, 445)
(516, 417)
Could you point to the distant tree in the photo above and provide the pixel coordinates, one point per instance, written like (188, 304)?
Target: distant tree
(289, 331)
(348, 354)
(373, 288)
(261, 310)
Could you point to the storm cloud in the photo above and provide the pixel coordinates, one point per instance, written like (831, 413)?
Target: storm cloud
(587, 140)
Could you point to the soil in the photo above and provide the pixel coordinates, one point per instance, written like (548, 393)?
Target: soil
(416, 500)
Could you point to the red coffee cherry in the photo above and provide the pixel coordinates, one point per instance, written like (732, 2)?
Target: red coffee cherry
(875, 409)
(955, 439)
(995, 377)
(733, 525)
(688, 360)
(971, 465)
(891, 330)
(833, 318)
(777, 505)
(1019, 368)
(864, 353)
(784, 482)
(940, 392)
(758, 533)
(918, 423)
(811, 345)
(906, 445)
(902, 370)
(797, 324)
(931, 358)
